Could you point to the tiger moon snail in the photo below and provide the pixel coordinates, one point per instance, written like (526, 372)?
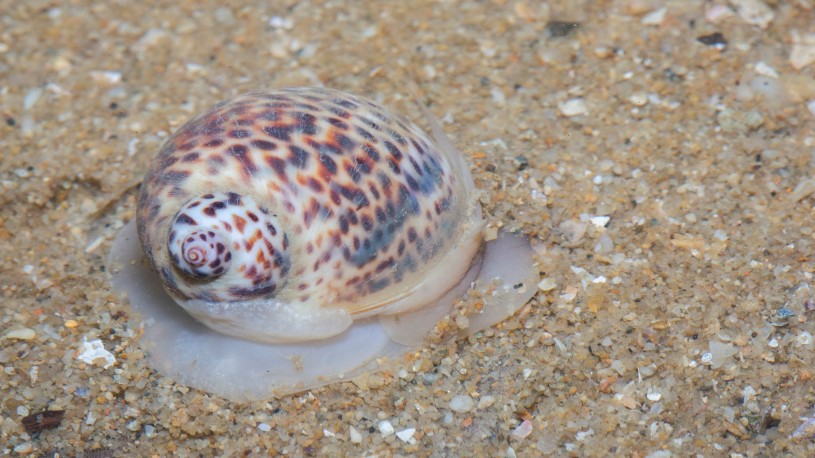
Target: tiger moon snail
(306, 234)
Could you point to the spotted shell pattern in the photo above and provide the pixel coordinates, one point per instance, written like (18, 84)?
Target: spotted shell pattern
(230, 224)
(317, 197)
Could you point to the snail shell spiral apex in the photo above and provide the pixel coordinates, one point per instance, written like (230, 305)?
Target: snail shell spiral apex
(229, 238)
(202, 254)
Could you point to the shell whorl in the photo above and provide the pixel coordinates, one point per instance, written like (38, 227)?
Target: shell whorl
(229, 236)
(201, 254)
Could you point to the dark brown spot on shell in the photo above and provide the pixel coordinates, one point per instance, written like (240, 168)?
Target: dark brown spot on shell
(328, 163)
(315, 185)
(371, 152)
(298, 157)
(263, 145)
(338, 123)
(282, 132)
(240, 152)
(185, 219)
(191, 157)
(233, 199)
(279, 166)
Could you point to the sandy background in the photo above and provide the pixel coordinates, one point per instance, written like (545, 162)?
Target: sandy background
(678, 325)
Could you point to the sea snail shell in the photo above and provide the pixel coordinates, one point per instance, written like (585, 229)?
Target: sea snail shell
(294, 216)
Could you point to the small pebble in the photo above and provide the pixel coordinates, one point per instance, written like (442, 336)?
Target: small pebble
(223, 15)
(278, 22)
(560, 29)
(803, 50)
(264, 427)
(573, 107)
(462, 403)
(626, 400)
(31, 98)
(604, 244)
(638, 99)
(486, 401)
(717, 13)
(748, 393)
(21, 334)
(807, 428)
(715, 40)
(547, 284)
(150, 39)
(498, 96)
(354, 435)
(600, 221)
(647, 371)
(522, 430)
(406, 435)
(765, 70)
(386, 428)
(770, 88)
(638, 7)
(539, 11)
(583, 435)
(106, 77)
(754, 12)
(430, 378)
(603, 52)
(656, 17)
(23, 449)
(721, 353)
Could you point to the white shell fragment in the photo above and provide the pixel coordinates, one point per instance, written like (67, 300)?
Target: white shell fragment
(94, 352)
(573, 107)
